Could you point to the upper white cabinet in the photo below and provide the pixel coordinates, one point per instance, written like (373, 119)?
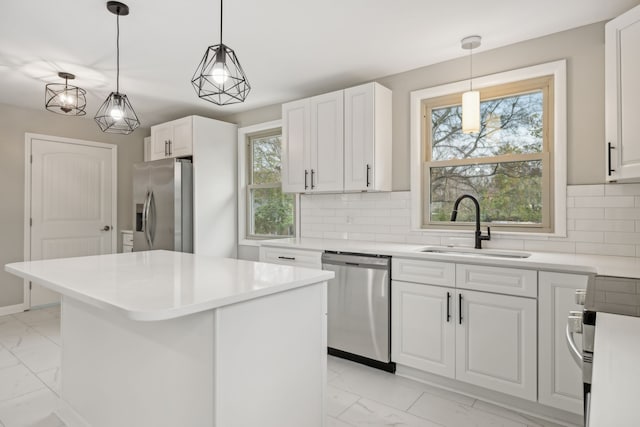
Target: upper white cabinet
(622, 103)
(172, 139)
(339, 141)
(367, 138)
(312, 144)
(560, 378)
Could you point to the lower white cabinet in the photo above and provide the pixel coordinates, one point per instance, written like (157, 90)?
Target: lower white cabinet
(560, 378)
(481, 338)
(496, 342)
(423, 328)
(295, 257)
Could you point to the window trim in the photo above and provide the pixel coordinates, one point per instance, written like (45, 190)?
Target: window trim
(243, 184)
(559, 150)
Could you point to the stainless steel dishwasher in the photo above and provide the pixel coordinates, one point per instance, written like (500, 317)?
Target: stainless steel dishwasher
(359, 308)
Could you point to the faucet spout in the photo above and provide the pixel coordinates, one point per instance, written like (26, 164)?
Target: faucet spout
(478, 235)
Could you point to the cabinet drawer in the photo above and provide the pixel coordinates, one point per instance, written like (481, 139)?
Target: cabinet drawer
(510, 281)
(127, 238)
(295, 257)
(127, 248)
(422, 271)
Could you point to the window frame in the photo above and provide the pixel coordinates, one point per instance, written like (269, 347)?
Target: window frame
(556, 157)
(245, 183)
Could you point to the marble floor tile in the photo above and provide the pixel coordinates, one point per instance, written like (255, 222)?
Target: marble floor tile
(331, 422)
(453, 414)
(7, 359)
(368, 413)
(51, 378)
(16, 381)
(37, 315)
(22, 336)
(40, 357)
(339, 400)
(512, 415)
(31, 410)
(49, 329)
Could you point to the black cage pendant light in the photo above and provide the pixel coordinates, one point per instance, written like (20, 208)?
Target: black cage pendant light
(65, 98)
(116, 115)
(219, 77)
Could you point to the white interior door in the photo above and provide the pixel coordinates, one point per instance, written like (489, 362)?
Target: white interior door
(72, 203)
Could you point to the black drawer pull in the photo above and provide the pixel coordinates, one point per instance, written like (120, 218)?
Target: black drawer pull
(610, 147)
(448, 307)
(460, 308)
(290, 258)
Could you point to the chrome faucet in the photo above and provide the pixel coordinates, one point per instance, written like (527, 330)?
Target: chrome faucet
(454, 215)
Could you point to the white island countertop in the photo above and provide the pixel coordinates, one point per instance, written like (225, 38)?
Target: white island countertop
(551, 261)
(159, 285)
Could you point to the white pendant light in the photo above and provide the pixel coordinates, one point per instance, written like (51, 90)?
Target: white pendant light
(471, 98)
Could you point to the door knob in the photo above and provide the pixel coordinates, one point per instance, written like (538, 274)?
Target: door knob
(106, 228)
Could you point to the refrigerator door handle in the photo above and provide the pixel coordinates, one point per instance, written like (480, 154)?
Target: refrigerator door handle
(150, 229)
(145, 218)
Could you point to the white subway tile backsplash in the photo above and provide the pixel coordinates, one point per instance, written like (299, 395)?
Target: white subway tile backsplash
(585, 190)
(622, 189)
(601, 219)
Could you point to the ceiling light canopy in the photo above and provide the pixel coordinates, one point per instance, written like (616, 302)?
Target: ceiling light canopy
(471, 98)
(64, 98)
(219, 77)
(116, 115)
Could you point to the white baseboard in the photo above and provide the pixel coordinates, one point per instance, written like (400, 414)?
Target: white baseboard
(12, 309)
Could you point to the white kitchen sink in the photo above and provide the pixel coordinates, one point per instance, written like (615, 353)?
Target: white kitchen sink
(474, 252)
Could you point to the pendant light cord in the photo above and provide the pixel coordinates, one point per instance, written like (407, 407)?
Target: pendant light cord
(220, 21)
(471, 69)
(118, 51)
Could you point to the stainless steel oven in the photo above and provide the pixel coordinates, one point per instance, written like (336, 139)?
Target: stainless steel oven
(597, 298)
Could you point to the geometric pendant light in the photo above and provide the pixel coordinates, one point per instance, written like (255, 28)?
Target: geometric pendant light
(471, 98)
(116, 115)
(219, 77)
(64, 98)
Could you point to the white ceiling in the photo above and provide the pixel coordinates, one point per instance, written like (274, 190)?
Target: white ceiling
(289, 49)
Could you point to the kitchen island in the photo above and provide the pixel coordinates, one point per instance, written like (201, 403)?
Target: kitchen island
(164, 338)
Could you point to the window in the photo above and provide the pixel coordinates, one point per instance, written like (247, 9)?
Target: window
(270, 213)
(509, 166)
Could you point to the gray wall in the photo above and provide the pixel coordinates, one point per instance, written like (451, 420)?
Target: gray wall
(583, 48)
(14, 123)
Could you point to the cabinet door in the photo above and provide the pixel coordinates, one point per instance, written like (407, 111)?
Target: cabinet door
(327, 142)
(423, 328)
(160, 137)
(295, 146)
(182, 141)
(559, 377)
(358, 138)
(622, 103)
(496, 342)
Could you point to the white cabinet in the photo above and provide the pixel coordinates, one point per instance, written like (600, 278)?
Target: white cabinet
(423, 328)
(312, 144)
(338, 141)
(482, 338)
(496, 342)
(622, 103)
(295, 257)
(559, 377)
(127, 240)
(367, 138)
(172, 139)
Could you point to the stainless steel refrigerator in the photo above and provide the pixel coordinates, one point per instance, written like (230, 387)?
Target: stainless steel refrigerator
(163, 205)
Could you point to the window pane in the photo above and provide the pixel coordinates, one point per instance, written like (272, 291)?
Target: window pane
(509, 193)
(265, 159)
(510, 125)
(272, 212)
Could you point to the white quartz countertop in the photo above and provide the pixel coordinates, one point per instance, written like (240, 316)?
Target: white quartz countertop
(158, 285)
(614, 391)
(550, 261)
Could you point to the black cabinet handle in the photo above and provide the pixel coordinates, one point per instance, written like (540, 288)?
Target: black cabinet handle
(170, 144)
(448, 307)
(460, 309)
(368, 170)
(312, 174)
(290, 258)
(609, 148)
(306, 174)
(166, 150)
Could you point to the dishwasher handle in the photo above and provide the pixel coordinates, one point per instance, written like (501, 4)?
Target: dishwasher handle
(356, 260)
